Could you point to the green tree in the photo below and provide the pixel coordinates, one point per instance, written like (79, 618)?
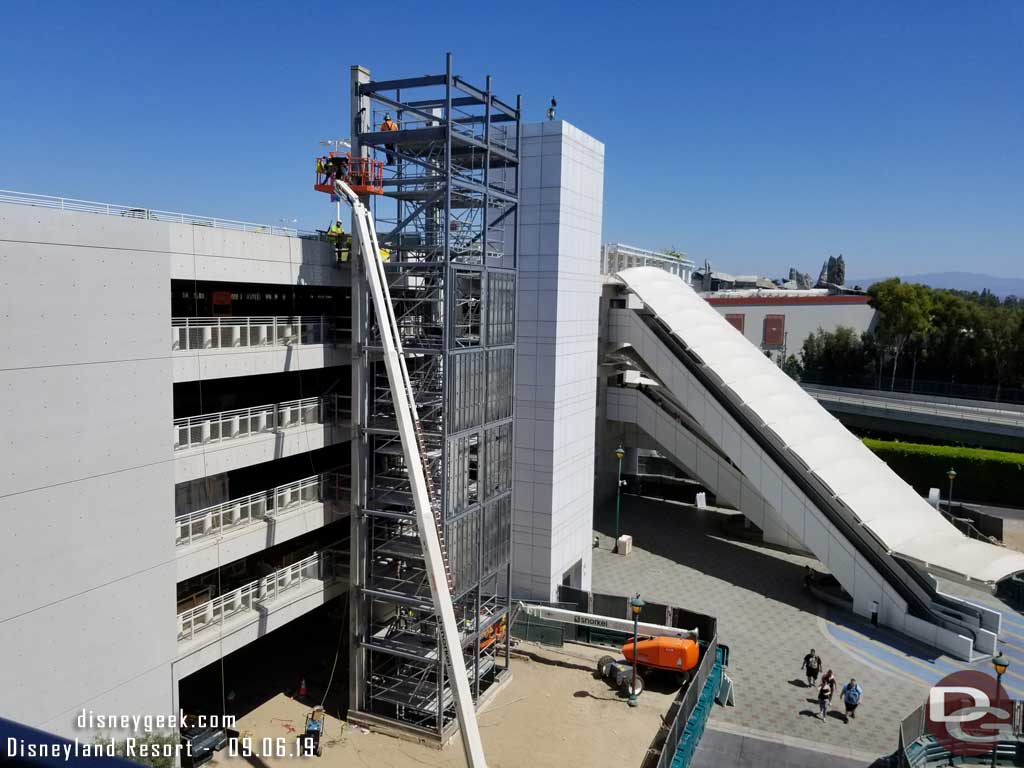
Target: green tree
(1003, 348)
(838, 355)
(905, 313)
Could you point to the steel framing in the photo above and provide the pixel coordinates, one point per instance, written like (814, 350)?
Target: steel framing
(448, 218)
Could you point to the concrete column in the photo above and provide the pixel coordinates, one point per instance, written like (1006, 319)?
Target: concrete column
(204, 432)
(205, 336)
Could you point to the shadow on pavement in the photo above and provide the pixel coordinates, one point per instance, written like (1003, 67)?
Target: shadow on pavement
(692, 538)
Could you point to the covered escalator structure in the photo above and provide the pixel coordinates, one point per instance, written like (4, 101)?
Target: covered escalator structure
(817, 483)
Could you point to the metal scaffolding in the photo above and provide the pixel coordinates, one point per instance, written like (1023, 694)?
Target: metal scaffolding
(447, 219)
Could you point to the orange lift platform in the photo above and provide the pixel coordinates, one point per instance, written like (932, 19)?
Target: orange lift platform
(364, 175)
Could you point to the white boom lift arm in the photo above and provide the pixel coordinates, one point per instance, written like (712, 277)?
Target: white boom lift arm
(408, 429)
(566, 616)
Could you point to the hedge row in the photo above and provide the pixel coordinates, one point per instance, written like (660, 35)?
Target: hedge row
(984, 476)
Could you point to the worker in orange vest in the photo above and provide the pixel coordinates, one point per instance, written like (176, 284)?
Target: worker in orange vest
(389, 149)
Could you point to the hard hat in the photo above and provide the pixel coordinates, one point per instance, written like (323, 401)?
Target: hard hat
(387, 115)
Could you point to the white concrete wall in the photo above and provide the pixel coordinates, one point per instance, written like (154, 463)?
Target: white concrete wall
(561, 201)
(206, 253)
(801, 320)
(206, 364)
(87, 484)
(649, 426)
(87, 466)
(209, 552)
(224, 456)
(216, 642)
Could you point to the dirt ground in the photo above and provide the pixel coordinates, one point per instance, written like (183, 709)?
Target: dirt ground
(553, 712)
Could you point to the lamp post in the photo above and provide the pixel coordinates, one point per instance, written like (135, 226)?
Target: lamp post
(337, 144)
(951, 474)
(619, 453)
(999, 664)
(635, 605)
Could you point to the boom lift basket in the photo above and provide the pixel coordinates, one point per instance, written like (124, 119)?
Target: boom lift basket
(364, 175)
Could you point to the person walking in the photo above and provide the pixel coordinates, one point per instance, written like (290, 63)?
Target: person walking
(812, 667)
(852, 694)
(825, 693)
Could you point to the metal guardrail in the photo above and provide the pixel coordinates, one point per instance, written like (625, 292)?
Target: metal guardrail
(247, 597)
(192, 431)
(945, 390)
(137, 212)
(616, 257)
(962, 412)
(196, 333)
(256, 507)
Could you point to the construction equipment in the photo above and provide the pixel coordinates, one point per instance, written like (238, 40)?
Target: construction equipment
(666, 649)
(314, 730)
(426, 498)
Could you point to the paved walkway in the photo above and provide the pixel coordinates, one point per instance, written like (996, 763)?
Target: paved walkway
(769, 623)
(719, 748)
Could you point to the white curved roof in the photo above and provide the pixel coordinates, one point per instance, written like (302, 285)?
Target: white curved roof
(906, 524)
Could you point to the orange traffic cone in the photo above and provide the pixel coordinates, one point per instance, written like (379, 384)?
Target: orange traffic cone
(302, 688)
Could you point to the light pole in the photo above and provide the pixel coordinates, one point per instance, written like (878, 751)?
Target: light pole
(337, 144)
(619, 453)
(951, 474)
(999, 664)
(635, 605)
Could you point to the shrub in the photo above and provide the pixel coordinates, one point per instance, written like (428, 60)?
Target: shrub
(994, 477)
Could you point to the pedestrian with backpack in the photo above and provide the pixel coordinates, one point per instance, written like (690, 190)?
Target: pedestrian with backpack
(851, 694)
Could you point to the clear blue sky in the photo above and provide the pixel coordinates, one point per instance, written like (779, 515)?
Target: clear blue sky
(757, 135)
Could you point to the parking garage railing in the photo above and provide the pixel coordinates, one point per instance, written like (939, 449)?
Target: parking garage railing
(136, 212)
(200, 333)
(193, 431)
(254, 594)
(256, 507)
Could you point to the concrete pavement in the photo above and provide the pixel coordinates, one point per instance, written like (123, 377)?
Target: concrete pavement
(681, 558)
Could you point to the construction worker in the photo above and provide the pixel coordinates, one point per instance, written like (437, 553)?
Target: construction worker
(389, 149)
(321, 170)
(336, 235)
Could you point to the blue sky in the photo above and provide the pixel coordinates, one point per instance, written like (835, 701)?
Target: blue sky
(757, 135)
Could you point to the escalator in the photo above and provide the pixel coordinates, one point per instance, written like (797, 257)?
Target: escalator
(872, 531)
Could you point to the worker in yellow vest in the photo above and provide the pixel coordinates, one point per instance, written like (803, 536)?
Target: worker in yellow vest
(342, 242)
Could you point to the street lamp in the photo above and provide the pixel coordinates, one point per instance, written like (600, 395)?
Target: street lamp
(1000, 663)
(951, 474)
(337, 144)
(635, 605)
(619, 453)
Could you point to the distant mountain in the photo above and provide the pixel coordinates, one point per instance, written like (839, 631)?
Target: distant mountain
(961, 281)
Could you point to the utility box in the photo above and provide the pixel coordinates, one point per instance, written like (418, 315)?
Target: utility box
(624, 545)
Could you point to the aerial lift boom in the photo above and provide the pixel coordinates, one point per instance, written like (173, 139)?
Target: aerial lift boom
(427, 516)
(668, 649)
(566, 616)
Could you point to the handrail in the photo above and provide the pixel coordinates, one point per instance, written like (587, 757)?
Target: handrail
(616, 257)
(245, 598)
(225, 332)
(138, 212)
(256, 507)
(191, 431)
